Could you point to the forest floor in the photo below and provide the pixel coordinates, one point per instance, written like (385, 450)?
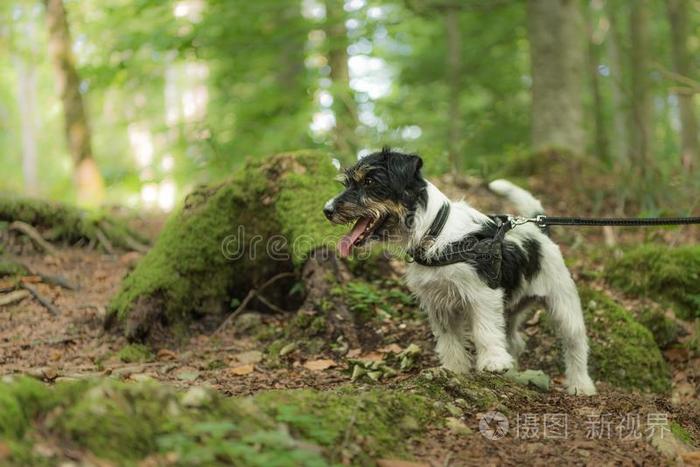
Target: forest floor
(615, 427)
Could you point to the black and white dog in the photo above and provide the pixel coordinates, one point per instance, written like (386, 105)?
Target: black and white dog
(388, 199)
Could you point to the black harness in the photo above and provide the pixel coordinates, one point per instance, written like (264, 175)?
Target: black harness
(486, 252)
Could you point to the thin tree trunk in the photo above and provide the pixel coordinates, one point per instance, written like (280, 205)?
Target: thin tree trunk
(344, 107)
(601, 138)
(678, 18)
(454, 82)
(89, 184)
(26, 97)
(558, 57)
(619, 144)
(641, 137)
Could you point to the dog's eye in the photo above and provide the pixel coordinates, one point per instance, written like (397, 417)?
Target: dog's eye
(367, 181)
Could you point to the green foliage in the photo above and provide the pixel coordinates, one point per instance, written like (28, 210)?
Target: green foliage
(377, 300)
(132, 353)
(623, 352)
(659, 271)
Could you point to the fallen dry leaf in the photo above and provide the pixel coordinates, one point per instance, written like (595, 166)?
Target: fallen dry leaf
(252, 356)
(391, 348)
(166, 354)
(242, 370)
(319, 365)
(371, 357)
(352, 353)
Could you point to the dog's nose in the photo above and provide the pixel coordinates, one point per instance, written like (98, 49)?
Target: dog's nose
(329, 209)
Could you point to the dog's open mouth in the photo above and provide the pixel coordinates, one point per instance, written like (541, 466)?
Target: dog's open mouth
(360, 233)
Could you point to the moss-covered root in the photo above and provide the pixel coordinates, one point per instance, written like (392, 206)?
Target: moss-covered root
(662, 272)
(228, 239)
(623, 351)
(127, 422)
(60, 222)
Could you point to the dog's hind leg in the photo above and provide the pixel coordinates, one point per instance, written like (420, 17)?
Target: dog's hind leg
(449, 330)
(488, 330)
(565, 306)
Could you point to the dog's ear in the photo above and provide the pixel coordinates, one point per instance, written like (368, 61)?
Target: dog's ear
(404, 170)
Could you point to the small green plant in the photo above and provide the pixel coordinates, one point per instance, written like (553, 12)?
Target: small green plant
(135, 353)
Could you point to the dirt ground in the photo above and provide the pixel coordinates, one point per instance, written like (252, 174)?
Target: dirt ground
(614, 427)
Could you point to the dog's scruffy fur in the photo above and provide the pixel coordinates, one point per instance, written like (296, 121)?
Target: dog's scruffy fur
(387, 197)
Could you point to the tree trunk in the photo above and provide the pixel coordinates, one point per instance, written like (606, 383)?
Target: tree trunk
(558, 57)
(88, 179)
(26, 97)
(600, 133)
(344, 108)
(678, 12)
(641, 127)
(454, 82)
(619, 144)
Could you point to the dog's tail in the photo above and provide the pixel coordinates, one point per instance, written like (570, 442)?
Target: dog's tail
(525, 204)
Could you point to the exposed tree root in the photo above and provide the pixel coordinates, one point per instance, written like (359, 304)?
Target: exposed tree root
(45, 302)
(32, 233)
(46, 222)
(321, 273)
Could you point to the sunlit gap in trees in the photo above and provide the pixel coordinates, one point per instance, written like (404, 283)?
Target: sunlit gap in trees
(186, 97)
(371, 78)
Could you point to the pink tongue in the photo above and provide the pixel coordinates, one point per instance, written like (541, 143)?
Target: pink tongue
(345, 244)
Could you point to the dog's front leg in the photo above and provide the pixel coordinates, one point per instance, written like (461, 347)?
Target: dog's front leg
(488, 330)
(448, 327)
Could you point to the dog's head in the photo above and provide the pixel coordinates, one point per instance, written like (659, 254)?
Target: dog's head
(381, 194)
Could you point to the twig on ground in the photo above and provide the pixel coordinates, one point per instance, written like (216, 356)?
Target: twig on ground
(251, 295)
(36, 342)
(47, 278)
(32, 233)
(13, 297)
(41, 299)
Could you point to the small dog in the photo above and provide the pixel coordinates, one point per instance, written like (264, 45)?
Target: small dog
(388, 199)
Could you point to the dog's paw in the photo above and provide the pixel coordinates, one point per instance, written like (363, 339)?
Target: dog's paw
(495, 362)
(581, 387)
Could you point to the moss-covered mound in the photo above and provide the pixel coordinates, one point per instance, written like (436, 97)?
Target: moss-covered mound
(228, 238)
(60, 222)
(662, 272)
(127, 422)
(623, 351)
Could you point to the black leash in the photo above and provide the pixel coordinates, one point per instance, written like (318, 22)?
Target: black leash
(545, 221)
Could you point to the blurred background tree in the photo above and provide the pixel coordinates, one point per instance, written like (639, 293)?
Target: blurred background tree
(150, 97)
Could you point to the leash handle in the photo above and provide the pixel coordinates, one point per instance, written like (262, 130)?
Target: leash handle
(544, 221)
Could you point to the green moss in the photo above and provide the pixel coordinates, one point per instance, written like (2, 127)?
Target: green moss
(682, 434)
(377, 417)
(132, 353)
(623, 352)
(660, 271)
(20, 399)
(67, 223)
(664, 330)
(127, 422)
(231, 236)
